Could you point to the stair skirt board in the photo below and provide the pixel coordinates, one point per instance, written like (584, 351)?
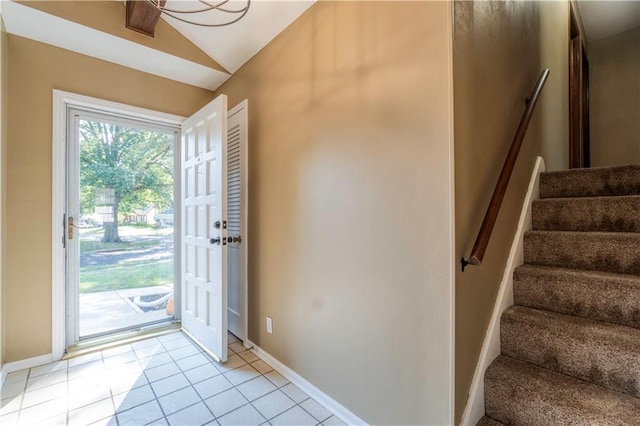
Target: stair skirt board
(475, 408)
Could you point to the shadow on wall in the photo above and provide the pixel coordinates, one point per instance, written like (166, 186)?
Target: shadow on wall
(350, 222)
(615, 99)
(499, 50)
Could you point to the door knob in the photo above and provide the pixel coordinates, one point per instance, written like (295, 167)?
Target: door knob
(215, 240)
(237, 239)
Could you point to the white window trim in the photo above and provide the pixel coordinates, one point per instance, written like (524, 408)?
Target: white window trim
(61, 102)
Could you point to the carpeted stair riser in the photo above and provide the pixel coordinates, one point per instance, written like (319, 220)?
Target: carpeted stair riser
(571, 344)
(519, 393)
(596, 251)
(605, 354)
(598, 214)
(595, 182)
(486, 421)
(599, 296)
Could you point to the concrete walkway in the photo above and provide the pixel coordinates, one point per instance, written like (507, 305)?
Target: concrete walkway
(112, 310)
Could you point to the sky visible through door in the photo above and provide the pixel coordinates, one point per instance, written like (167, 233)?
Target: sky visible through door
(125, 225)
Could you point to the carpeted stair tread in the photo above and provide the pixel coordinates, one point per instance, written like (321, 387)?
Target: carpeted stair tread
(595, 214)
(519, 393)
(595, 251)
(486, 421)
(600, 296)
(571, 343)
(593, 182)
(605, 354)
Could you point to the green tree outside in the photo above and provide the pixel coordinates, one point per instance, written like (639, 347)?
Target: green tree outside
(134, 165)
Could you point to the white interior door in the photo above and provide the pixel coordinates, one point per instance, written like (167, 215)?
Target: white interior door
(237, 217)
(204, 227)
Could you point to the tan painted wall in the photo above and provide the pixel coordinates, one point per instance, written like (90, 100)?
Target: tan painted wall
(3, 168)
(614, 65)
(349, 221)
(35, 69)
(499, 50)
(109, 17)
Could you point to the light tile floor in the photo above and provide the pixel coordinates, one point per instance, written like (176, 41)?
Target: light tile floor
(166, 380)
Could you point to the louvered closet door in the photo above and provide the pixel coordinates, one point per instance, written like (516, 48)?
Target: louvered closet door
(236, 214)
(204, 238)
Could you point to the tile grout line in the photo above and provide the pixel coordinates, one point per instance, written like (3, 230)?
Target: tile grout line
(277, 388)
(23, 393)
(164, 415)
(113, 401)
(191, 384)
(67, 419)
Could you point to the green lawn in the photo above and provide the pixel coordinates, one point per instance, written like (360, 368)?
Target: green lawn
(128, 275)
(120, 277)
(89, 246)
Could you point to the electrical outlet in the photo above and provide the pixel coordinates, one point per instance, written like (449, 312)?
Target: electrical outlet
(269, 325)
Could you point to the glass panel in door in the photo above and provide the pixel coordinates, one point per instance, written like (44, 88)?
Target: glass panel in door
(124, 226)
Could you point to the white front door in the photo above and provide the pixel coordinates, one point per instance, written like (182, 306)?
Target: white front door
(204, 227)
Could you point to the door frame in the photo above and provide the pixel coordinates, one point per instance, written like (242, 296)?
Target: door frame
(243, 108)
(579, 132)
(62, 101)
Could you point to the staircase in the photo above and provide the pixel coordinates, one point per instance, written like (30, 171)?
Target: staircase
(571, 343)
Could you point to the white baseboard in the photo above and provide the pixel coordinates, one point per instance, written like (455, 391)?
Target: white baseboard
(322, 398)
(11, 367)
(28, 363)
(491, 347)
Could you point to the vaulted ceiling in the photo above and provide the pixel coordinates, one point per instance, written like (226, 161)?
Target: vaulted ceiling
(200, 56)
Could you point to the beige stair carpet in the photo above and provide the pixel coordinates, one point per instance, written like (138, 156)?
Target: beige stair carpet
(571, 343)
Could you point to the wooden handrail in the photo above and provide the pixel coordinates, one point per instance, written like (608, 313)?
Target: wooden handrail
(477, 254)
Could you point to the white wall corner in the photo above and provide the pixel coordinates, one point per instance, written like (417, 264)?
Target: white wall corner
(322, 398)
(452, 217)
(474, 410)
(57, 225)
